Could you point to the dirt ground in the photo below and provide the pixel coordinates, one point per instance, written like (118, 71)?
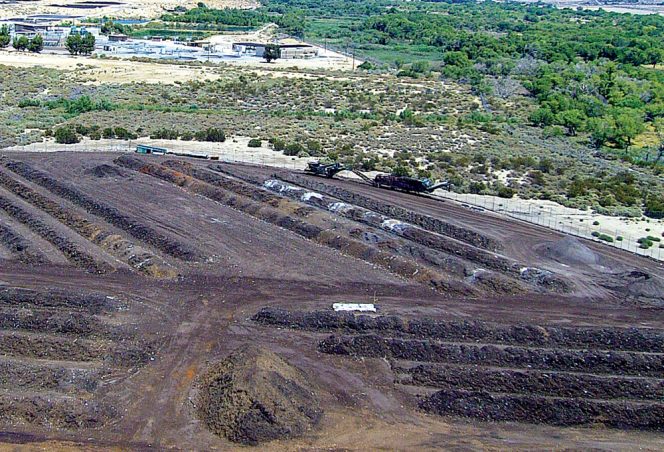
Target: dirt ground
(98, 70)
(121, 349)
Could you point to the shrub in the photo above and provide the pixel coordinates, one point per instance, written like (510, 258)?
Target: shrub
(278, 144)
(66, 135)
(255, 143)
(606, 238)
(165, 134)
(124, 134)
(211, 134)
(506, 192)
(28, 102)
(654, 207)
(293, 149)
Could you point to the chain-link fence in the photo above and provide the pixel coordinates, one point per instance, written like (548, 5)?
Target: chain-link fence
(606, 230)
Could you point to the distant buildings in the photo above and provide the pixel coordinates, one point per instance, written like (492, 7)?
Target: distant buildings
(288, 51)
(53, 35)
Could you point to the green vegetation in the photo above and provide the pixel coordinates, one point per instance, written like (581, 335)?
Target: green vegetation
(4, 36)
(20, 43)
(80, 45)
(272, 53)
(66, 135)
(227, 16)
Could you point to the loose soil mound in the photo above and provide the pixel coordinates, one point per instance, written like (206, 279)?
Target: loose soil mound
(106, 171)
(571, 251)
(255, 396)
(636, 286)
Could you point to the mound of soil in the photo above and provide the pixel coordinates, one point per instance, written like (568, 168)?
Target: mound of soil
(571, 251)
(105, 170)
(255, 396)
(636, 286)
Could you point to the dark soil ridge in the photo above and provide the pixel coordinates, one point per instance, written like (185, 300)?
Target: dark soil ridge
(424, 221)
(49, 321)
(603, 338)
(238, 187)
(531, 382)
(58, 348)
(587, 361)
(126, 251)
(333, 239)
(38, 377)
(420, 244)
(405, 230)
(19, 247)
(236, 173)
(58, 411)
(540, 410)
(105, 170)
(92, 303)
(69, 249)
(132, 226)
(46, 343)
(439, 260)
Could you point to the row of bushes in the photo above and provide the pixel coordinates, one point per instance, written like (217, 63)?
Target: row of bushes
(71, 134)
(211, 134)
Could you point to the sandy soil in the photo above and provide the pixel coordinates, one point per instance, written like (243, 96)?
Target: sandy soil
(98, 70)
(127, 8)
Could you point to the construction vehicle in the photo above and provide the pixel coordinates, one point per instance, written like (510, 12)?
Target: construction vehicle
(407, 184)
(391, 181)
(324, 169)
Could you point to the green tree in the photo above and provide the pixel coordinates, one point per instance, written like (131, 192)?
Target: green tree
(272, 52)
(80, 45)
(4, 36)
(87, 44)
(36, 44)
(601, 130)
(73, 43)
(21, 43)
(629, 124)
(655, 56)
(572, 120)
(542, 117)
